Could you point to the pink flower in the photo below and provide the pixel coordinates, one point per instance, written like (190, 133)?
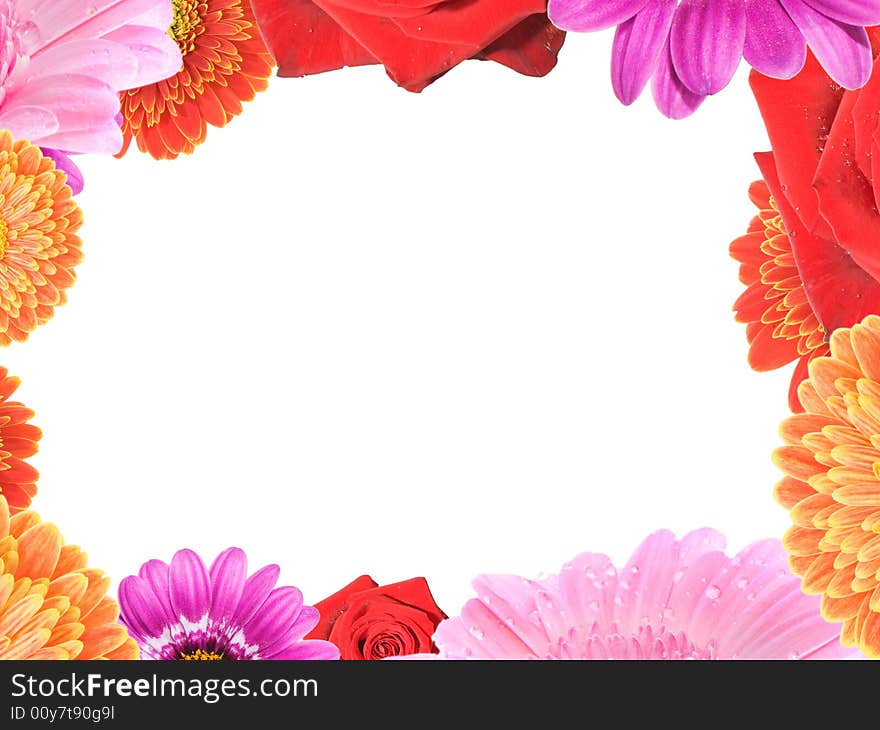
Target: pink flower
(674, 600)
(64, 62)
(691, 48)
(185, 610)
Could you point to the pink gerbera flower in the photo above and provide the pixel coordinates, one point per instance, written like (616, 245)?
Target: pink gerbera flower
(187, 611)
(692, 48)
(674, 600)
(64, 62)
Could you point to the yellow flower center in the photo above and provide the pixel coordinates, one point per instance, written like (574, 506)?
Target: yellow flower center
(4, 237)
(185, 27)
(200, 656)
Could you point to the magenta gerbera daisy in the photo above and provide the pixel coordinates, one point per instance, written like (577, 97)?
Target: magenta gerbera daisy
(692, 48)
(189, 612)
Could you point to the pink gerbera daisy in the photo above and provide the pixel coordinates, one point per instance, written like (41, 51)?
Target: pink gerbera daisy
(692, 48)
(64, 62)
(675, 599)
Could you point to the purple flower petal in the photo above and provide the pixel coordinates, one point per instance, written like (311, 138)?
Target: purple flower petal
(190, 586)
(638, 44)
(275, 618)
(851, 12)
(307, 620)
(589, 15)
(843, 50)
(672, 97)
(774, 44)
(228, 573)
(139, 609)
(256, 591)
(68, 167)
(155, 573)
(312, 650)
(707, 41)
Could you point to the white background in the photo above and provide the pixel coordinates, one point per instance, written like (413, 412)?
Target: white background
(479, 329)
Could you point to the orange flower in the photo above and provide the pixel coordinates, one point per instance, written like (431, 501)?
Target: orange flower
(781, 325)
(18, 441)
(225, 62)
(38, 242)
(52, 606)
(832, 483)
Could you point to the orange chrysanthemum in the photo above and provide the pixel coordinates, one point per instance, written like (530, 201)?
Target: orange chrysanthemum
(38, 243)
(52, 605)
(225, 62)
(831, 462)
(780, 324)
(18, 441)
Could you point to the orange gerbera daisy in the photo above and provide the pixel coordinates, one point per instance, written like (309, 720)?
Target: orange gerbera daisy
(38, 242)
(831, 462)
(781, 326)
(52, 605)
(225, 62)
(18, 441)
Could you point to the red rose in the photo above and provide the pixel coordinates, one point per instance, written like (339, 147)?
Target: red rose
(416, 40)
(368, 621)
(824, 178)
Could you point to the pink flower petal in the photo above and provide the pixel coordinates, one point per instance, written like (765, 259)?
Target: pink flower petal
(853, 12)
(843, 50)
(228, 573)
(190, 586)
(590, 15)
(671, 96)
(774, 45)
(706, 41)
(638, 44)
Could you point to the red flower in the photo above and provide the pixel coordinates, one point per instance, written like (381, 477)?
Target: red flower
(821, 179)
(416, 40)
(781, 326)
(368, 621)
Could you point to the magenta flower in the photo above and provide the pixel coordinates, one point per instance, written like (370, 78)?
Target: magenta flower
(674, 600)
(64, 62)
(186, 611)
(691, 49)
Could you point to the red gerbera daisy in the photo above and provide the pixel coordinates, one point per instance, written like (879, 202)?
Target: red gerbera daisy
(781, 325)
(18, 441)
(225, 62)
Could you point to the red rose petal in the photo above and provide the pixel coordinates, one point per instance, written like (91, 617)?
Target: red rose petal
(410, 62)
(846, 196)
(865, 118)
(798, 114)
(416, 51)
(530, 48)
(305, 40)
(390, 8)
(839, 291)
(333, 606)
(468, 23)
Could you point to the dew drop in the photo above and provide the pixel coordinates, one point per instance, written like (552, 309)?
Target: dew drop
(713, 592)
